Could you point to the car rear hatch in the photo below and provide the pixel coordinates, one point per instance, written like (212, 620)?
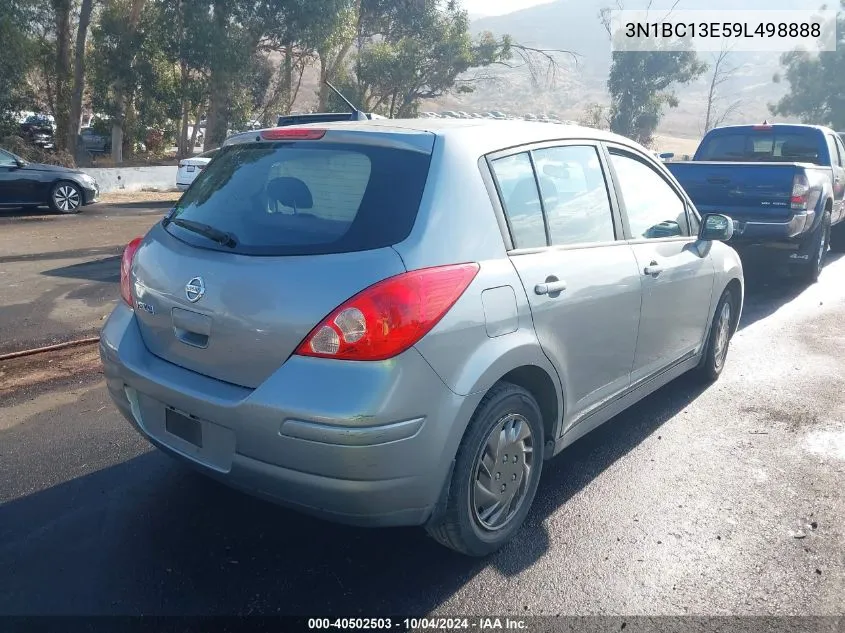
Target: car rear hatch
(269, 239)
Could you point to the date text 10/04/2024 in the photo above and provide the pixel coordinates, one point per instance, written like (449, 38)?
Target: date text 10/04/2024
(419, 624)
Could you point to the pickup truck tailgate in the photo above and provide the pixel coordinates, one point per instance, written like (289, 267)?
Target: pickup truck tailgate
(744, 191)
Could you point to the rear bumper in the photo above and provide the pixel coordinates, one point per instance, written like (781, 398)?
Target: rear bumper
(779, 234)
(373, 452)
(180, 186)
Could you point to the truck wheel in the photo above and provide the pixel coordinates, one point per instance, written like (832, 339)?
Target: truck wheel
(496, 473)
(819, 242)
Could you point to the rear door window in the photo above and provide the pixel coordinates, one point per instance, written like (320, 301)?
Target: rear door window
(304, 198)
(575, 195)
(521, 200)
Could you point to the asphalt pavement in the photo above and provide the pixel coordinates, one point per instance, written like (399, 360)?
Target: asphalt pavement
(720, 501)
(60, 274)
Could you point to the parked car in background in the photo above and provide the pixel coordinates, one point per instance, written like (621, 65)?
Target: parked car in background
(783, 185)
(396, 322)
(25, 184)
(190, 168)
(94, 142)
(39, 130)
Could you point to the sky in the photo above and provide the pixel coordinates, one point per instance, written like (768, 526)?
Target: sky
(498, 7)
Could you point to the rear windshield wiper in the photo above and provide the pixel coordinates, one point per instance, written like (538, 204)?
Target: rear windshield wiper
(215, 235)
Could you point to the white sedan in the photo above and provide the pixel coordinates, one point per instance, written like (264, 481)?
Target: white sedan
(190, 168)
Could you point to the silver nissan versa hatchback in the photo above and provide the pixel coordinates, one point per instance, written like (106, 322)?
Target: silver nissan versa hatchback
(396, 322)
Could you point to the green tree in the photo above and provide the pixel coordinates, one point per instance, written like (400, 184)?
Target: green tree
(816, 84)
(641, 86)
(17, 59)
(425, 60)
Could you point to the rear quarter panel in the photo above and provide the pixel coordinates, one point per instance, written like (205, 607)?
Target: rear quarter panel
(478, 341)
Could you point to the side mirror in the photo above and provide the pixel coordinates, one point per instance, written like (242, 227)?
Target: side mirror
(667, 155)
(716, 227)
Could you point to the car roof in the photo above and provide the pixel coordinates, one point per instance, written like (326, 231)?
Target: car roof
(484, 135)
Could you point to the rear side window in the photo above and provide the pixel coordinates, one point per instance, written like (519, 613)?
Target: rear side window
(304, 198)
(575, 195)
(521, 200)
(763, 146)
(835, 158)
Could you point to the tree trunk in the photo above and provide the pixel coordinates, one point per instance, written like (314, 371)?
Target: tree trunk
(184, 150)
(287, 80)
(220, 83)
(64, 72)
(121, 88)
(79, 76)
(182, 144)
(322, 102)
(217, 123)
(195, 130)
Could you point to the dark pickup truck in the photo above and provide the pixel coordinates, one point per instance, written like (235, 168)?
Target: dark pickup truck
(782, 185)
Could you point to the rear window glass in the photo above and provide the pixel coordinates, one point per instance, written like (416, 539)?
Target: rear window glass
(304, 198)
(763, 146)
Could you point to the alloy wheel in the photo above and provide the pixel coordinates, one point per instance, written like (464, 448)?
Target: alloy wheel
(723, 332)
(66, 198)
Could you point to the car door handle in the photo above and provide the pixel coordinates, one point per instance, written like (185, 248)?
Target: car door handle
(653, 269)
(550, 287)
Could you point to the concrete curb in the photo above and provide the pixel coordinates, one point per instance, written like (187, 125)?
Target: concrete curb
(112, 179)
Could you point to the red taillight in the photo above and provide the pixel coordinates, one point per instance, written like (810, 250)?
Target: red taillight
(389, 317)
(299, 134)
(761, 127)
(125, 268)
(800, 191)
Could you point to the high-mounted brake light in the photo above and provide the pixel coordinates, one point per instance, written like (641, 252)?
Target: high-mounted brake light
(299, 134)
(800, 192)
(125, 268)
(389, 317)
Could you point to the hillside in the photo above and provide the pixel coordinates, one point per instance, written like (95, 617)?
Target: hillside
(574, 25)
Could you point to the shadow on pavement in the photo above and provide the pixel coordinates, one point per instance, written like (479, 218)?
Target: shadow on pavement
(766, 291)
(106, 270)
(151, 536)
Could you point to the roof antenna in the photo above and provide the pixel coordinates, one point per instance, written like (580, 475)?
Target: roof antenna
(358, 116)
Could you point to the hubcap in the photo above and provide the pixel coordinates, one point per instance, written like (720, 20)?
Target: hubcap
(502, 472)
(723, 334)
(66, 198)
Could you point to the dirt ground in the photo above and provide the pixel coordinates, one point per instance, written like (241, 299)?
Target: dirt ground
(122, 197)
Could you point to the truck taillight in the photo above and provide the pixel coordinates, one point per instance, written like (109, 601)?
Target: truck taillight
(126, 268)
(800, 192)
(389, 317)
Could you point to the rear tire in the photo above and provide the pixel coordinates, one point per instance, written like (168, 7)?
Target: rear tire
(66, 198)
(819, 242)
(719, 339)
(497, 470)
